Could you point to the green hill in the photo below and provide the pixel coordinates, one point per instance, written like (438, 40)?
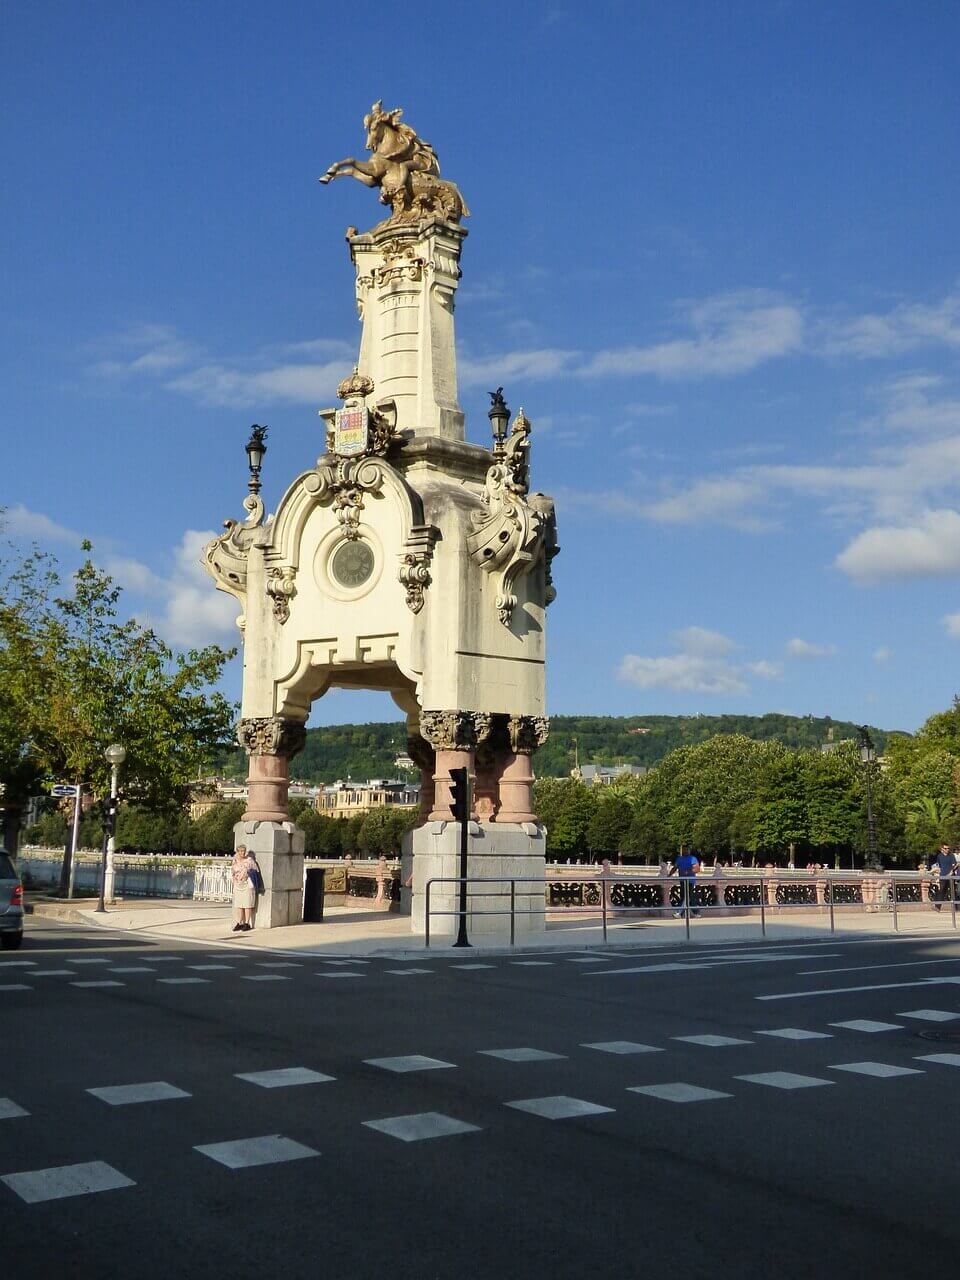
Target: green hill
(362, 751)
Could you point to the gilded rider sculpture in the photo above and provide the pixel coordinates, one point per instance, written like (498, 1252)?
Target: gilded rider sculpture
(405, 168)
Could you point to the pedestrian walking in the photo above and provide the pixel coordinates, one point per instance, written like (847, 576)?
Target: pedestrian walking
(243, 869)
(946, 864)
(686, 866)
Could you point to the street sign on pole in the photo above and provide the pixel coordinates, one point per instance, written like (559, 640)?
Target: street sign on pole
(64, 789)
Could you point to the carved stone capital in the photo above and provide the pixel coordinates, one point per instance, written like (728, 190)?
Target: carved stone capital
(271, 736)
(527, 733)
(454, 730)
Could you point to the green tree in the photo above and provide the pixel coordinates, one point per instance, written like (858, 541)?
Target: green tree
(80, 678)
(609, 826)
(568, 838)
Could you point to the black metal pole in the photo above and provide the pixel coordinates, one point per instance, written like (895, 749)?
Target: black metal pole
(872, 860)
(462, 940)
(101, 906)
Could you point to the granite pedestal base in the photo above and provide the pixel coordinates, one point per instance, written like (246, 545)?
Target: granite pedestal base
(495, 850)
(278, 848)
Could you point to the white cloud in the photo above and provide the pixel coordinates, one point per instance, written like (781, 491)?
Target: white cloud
(903, 328)
(193, 612)
(536, 364)
(766, 670)
(32, 526)
(299, 372)
(882, 654)
(806, 649)
(702, 642)
(724, 499)
(929, 547)
(952, 623)
(701, 666)
(732, 333)
(182, 605)
(683, 671)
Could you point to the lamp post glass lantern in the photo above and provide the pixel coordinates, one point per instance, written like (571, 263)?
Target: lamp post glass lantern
(115, 755)
(499, 416)
(256, 448)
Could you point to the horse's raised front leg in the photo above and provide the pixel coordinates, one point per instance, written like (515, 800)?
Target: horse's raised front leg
(350, 168)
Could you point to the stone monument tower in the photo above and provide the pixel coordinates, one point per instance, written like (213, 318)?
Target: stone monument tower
(406, 559)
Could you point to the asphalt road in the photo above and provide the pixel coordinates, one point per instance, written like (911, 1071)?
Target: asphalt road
(755, 1155)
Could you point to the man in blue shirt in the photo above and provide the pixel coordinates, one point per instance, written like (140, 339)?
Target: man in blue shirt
(946, 863)
(686, 866)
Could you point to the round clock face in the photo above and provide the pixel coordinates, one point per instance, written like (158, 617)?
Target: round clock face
(352, 564)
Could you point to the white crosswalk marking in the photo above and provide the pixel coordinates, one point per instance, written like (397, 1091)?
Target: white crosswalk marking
(284, 1077)
(867, 1024)
(622, 1046)
(245, 1153)
(711, 1042)
(521, 1055)
(880, 1070)
(784, 1080)
(930, 1015)
(945, 1059)
(415, 1128)
(408, 1062)
(183, 982)
(558, 1107)
(67, 1180)
(10, 1111)
(796, 1033)
(124, 1094)
(278, 977)
(678, 1091)
(400, 973)
(16, 986)
(98, 984)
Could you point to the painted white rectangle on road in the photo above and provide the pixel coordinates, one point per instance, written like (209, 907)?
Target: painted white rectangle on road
(428, 1124)
(880, 1070)
(10, 1111)
(678, 1091)
(183, 982)
(16, 986)
(521, 1055)
(66, 1180)
(867, 1024)
(283, 1077)
(945, 1059)
(784, 1080)
(245, 1153)
(558, 1107)
(711, 1042)
(796, 1033)
(122, 1095)
(930, 1015)
(409, 1062)
(622, 1046)
(104, 983)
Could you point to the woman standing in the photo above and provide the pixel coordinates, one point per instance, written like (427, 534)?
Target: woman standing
(244, 893)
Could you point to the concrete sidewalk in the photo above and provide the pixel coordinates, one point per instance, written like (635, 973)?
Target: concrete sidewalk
(351, 932)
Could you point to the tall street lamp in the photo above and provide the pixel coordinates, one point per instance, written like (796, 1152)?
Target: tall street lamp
(868, 754)
(115, 756)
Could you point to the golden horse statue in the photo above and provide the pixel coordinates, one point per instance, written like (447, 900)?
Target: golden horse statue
(405, 168)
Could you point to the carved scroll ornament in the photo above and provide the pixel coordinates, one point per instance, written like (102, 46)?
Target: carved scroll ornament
(281, 587)
(455, 730)
(510, 531)
(527, 733)
(271, 736)
(226, 557)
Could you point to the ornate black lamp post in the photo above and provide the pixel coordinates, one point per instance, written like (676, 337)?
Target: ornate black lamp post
(115, 755)
(868, 754)
(499, 416)
(255, 450)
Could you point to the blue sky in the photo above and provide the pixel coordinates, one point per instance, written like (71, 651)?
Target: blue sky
(713, 253)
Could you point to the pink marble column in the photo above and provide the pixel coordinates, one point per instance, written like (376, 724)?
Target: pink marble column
(527, 733)
(454, 736)
(269, 741)
(443, 794)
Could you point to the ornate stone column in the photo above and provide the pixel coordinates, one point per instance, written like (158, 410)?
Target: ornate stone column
(527, 734)
(454, 736)
(269, 741)
(422, 754)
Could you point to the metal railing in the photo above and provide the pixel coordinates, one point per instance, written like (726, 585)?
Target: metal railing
(879, 891)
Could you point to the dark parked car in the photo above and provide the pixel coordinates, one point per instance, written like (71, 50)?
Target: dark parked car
(11, 905)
